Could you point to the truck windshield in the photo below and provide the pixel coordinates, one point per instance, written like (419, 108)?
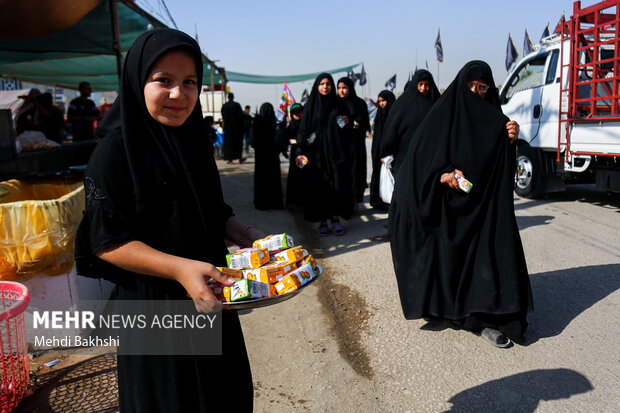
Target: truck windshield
(529, 76)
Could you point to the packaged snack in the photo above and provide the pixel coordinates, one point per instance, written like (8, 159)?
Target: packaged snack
(304, 273)
(292, 254)
(275, 242)
(288, 284)
(231, 272)
(221, 292)
(247, 289)
(464, 184)
(269, 273)
(247, 258)
(318, 270)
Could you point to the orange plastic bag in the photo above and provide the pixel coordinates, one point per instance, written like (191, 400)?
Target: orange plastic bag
(38, 221)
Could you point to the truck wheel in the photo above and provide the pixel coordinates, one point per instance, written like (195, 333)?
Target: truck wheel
(529, 172)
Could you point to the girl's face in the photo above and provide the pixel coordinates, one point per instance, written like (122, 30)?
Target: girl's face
(325, 87)
(382, 103)
(343, 90)
(424, 86)
(171, 88)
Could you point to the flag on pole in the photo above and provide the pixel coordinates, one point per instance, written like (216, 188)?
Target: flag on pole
(304, 97)
(286, 100)
(511, 53)
(427, 65)
(361, 76)
(528, 47)
(353, 76)
(439, 47)
(545, 32)
(391, 83)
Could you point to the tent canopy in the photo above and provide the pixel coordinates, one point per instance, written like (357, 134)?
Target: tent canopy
(247, 78)
(83, 51)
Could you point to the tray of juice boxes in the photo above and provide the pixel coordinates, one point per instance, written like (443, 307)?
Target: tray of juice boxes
(272, 271)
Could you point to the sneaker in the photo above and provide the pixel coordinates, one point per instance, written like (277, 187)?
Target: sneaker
(495, 337)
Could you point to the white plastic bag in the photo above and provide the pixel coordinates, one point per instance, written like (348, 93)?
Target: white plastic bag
(386, 180)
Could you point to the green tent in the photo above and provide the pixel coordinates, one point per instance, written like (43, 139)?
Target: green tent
(85, 51)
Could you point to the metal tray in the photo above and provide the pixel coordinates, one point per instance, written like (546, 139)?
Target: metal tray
(267, 301)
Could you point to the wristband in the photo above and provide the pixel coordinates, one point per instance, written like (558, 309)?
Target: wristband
(243, 234)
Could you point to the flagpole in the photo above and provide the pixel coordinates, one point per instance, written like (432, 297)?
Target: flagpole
(438, 74)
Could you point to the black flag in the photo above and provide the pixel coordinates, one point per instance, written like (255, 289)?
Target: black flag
(304, 97)
(391, 83)
(545, 32)
(362, 76)
(528, 47)
(511, 53)
(353, 76)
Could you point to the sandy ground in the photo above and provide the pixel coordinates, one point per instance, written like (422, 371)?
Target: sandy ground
(343, 344)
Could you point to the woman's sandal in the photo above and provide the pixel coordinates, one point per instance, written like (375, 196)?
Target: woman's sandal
(338, 228)
(495, 337)
(322, 231)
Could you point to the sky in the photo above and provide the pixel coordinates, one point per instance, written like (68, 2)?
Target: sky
(270, 37)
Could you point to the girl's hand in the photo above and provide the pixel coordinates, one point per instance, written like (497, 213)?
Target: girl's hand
(448, 179)
(193, 276)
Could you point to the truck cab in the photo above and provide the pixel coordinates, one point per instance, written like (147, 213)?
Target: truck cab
(566, 98)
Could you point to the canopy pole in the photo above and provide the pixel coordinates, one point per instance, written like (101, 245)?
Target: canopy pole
(116, 36)
(211, 68)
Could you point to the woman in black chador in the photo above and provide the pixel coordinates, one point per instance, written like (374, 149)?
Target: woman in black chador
(360, 125)
(386, 101)
(267, 178)
(294, 180)
(458, 255)
(406, 115)
(155, 223)
(327, 173)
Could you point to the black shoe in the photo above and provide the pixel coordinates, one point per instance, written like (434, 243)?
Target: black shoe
(495, 337)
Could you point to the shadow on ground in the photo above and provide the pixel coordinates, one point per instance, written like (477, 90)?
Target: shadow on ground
(88, 386)
(561, 296)
(520, 393)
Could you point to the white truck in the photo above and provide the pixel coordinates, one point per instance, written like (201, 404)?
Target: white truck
(566, 97)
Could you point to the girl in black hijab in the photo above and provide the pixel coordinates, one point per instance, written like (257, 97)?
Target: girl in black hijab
(361, 125)
(155, 222)
(267, 179)
(407, 114)
(386, 100)
(294, 182)
(458, 255)
(327, 173)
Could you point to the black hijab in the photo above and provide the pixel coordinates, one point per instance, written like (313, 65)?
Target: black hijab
(317, 109)
(405, 117)
(142, 174)
(264, 128)
(458, 254)
(382, 115)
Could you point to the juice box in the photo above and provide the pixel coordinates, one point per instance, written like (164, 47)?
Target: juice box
(247, 258)
(287, 284)
(318, 270)
(275, 242)
(231, 272)
(247, 289)
(269, 273)
(292, 254)
(304, 273)
(464, 184)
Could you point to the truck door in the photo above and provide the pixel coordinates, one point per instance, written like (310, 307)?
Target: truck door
(521, 100)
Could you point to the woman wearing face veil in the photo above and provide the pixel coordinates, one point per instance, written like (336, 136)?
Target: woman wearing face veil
(155, 223)
(327, 174)
(360, 125)
(386, 100)
(406, 115)
(267, 179)
(457, 255)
